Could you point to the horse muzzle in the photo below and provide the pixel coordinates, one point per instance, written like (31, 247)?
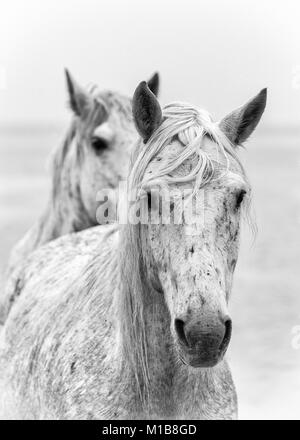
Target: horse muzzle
(203, 343)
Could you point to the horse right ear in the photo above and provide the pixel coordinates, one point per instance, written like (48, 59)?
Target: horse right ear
(153, 83)
(79, 99)
(240, 124)
(146, 111)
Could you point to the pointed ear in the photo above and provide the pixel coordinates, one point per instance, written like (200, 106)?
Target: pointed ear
(153, 83)
(240, 124)
(80, 101)
(146, 111)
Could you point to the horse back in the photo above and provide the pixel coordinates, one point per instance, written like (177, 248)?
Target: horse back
(48, 341)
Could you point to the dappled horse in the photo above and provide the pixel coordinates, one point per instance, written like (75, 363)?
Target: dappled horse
(132, 320)
(94, 155)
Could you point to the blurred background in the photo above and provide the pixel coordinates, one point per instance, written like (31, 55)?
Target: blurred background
(216, 54)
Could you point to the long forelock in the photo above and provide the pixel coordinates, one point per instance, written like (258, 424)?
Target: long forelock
(191, 126)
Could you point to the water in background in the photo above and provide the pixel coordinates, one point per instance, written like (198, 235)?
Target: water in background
(266, 298)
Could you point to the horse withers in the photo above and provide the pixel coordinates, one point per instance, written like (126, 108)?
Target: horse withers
(132, 321)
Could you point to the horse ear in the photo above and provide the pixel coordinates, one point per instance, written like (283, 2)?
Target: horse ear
(79, 99)
(153, 83)
(146, 111)
(240, 124)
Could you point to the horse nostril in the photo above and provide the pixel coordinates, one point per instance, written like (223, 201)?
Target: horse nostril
(179, 327)
(227, 334)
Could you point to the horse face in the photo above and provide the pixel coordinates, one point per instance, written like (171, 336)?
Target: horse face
(195, 264)
(104, 137)
(106, 146)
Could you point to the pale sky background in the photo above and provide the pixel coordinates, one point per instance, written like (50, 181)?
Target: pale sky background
(216, 53)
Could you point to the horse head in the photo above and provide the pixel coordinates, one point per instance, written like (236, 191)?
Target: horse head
(191, 254)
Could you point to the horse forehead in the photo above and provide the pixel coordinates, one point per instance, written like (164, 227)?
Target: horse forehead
(233, 171)
(171, 151)
(116, 103)
(174, 147)
(104, 131)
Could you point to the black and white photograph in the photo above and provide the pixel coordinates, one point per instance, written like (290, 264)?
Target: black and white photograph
(150, 212)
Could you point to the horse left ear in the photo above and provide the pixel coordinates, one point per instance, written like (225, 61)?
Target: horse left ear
(240, 124)
(153, 83)
(146, 111)
(79, 100)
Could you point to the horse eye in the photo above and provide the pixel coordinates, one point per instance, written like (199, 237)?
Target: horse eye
(99, 144)
(240, 198)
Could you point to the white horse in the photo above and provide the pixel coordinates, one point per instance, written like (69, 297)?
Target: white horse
(94, 155)
(132, 321)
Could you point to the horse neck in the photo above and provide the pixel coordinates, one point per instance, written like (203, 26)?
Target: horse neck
(143, 317)
(65, 212)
